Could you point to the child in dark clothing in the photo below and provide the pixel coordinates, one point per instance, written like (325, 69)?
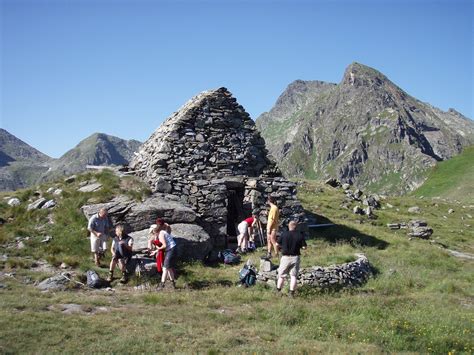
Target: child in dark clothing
(121, 250)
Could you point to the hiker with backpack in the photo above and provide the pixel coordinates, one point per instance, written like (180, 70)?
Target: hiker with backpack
(121, 250)
(290, 242)
(168, 244)
(245, 229)
(99, 227)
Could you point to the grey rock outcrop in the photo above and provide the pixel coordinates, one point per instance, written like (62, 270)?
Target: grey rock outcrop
(55, 283)
(14, 202)
(36, 204)
(49, 204)
(414, 209)
(140, 215)
(91, 187)
(192, 241)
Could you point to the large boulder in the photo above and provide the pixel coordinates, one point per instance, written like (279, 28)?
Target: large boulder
(140, 239)
(143, 214)
(58, 282)
(140, 215)
(192, 241)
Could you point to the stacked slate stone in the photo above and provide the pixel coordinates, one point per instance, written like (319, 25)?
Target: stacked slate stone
(210, 152)
(350, 274)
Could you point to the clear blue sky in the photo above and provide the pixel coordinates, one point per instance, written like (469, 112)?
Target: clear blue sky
(70, 68)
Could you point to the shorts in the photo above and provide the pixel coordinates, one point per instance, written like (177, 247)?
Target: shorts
(99, 244)
(125, 258)
(170, 258)
(243, 228)
(289, 264)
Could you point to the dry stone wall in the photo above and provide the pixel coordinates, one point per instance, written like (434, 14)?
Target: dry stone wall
(350, 274)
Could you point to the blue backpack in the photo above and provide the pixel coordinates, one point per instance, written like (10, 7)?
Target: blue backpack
(94, 280)
(247, 276)
(229, 257)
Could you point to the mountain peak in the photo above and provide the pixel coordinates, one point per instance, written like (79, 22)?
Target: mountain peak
(357, 74)
(16, 149)
(367, 131)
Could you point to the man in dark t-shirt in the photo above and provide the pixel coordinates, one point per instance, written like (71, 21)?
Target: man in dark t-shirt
(291, 243)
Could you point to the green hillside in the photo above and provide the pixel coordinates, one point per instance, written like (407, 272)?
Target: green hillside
(452, 179)
(420, 299)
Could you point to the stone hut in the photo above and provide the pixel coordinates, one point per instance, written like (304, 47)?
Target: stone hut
(210, 155)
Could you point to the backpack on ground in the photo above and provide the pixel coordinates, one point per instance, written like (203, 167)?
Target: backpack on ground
(94, 280)
(229, 257)
(247, 276)
(251, 246)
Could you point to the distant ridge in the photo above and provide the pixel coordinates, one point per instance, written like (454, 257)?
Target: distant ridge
(365, 130)
(22, 165)
(97, 149)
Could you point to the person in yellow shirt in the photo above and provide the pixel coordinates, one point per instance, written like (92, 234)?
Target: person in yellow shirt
(272, 227)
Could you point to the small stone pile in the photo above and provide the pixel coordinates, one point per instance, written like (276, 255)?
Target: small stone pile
(371, 202)
(418, 228)
(350, 274)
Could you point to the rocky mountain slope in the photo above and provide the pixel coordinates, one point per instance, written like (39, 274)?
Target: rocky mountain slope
(97, 149)
(364, 130)
(22, 165)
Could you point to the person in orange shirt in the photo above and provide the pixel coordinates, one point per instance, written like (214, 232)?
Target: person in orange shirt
(272, 227)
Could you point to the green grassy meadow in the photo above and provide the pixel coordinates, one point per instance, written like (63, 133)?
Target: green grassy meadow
(420, 299)
(452, 179)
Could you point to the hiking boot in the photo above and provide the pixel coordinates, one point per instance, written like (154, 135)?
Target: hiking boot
(124, 278)
(160, 286)
(291, 294)
(238, 250)
(173, 285)
(268, 256)
(110, 277)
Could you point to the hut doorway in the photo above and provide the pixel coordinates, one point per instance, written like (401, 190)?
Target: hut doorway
(235, 213)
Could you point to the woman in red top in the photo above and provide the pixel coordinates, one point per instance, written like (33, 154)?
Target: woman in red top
(245, 230)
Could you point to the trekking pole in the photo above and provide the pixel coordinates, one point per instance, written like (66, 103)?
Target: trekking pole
(264, 236)
(260, 233)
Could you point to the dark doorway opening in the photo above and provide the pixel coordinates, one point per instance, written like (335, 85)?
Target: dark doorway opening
(235, 213)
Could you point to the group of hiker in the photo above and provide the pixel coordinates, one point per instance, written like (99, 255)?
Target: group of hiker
(162, 245)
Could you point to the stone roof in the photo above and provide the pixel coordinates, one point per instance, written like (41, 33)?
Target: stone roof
(211, 136)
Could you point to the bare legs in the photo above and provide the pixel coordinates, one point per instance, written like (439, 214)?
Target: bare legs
(272, 241)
